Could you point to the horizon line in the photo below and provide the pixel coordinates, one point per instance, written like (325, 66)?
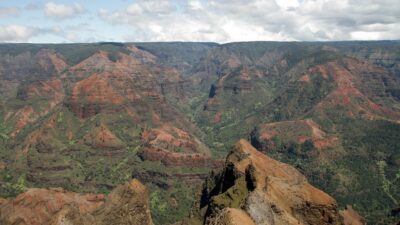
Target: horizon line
(203, 42)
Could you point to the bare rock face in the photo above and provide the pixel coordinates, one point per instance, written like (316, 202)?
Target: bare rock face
(126, 204)
(232, 216)
(256, 189)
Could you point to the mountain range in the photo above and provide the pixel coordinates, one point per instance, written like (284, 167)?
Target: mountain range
(108, 117)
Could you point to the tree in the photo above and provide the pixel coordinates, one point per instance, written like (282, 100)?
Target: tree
(307, 146)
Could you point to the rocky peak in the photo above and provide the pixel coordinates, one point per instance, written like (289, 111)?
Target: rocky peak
(96, 62)
(260, 190)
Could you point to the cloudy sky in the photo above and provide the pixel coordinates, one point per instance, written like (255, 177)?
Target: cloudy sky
(59, 21)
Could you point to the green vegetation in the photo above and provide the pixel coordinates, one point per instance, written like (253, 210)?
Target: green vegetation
(3, 133)
(12, 186)
(388, 186)
(234, 197)
(366, 176)
(73, 53)
(168, 206)
(300, 98)
(182, 55)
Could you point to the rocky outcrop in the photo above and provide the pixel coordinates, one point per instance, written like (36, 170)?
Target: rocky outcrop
(174, 147)
(256, 189)
(126, 204)
(232, 216)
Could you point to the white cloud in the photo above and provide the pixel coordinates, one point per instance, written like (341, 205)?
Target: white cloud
(246, 20)
(195, 4)
(287, 4)
(70, 33)
(365, 35)
(61, 11)
(16, 33)
(210, 20)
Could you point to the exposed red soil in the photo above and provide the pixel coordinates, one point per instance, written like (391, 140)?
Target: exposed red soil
(116, 86)
(58, 63)
(170, 138)
(91, 95)
(299, 131)
(174, 147)
(35, 135)
(97, 61)
(305, 78)
(49, 89)
(102, 137)
(244, 74)
(30, 141)
(50, 61)
(37, 206)
(95, 89)
(348, 95)
(23, 118)
(217, 117)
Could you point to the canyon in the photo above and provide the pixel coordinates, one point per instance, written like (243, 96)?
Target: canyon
(79, 122)
(251, 189)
